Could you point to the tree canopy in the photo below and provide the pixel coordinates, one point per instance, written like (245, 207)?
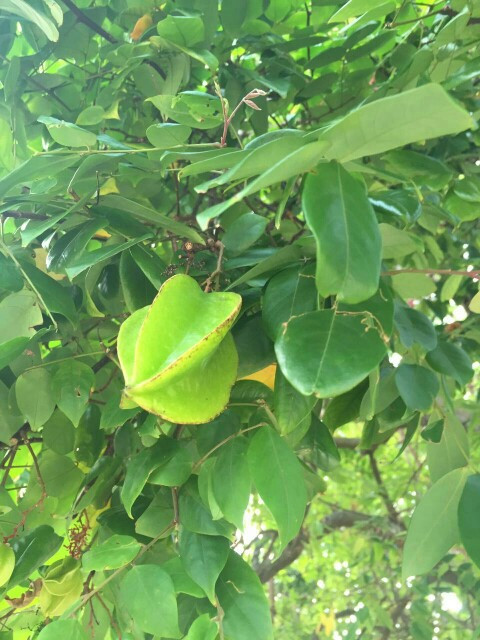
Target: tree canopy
(239, 260)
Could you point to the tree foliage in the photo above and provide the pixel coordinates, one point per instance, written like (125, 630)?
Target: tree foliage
(239, 257)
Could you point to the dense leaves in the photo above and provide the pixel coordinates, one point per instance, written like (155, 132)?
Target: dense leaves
(239, 265)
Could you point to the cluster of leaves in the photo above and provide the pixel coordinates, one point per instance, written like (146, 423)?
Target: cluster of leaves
(235, 240)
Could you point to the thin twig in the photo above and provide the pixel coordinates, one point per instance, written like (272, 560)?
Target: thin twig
(220, 444)
(82, 17)
(8, 468)
(117, 572)
(24, 215)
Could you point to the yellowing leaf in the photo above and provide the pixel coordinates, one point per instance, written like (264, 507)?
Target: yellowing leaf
(141, 25)
(266, 376)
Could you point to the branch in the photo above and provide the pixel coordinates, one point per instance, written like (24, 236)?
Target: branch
(382, 491)
(336, 520)
(81, 17)
(24, 215)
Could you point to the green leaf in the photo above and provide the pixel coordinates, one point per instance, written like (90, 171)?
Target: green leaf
(181, 580)
(413, 285)
(10, 423)
(290, 292)
(33, 550)
(34, 394)
(72, 385)
(177, 467)
(61, 629)
(281, 258)
(197, 517)
(61, 476)
(147, 214)
(243, 601)
(11, 276)
(113, 553)
(91, 115)
(418, 114)
(191, 108)
(166, 135)
(433, 529)
(451, 452)
(321, 446)
(414, 327)
(291, 408)
(450, 287)
(338, 212)
(148, 596)
(58, 433)
(89, 258)
(346, 407)
(298, 161)
(451, 360)
(231, 482)
(183, 30)
(139, 469)
(7, 563)
(19, 313)
(203, 628)
(185, 377)
(279, 483)
(327, 353)
(22, 9)
(203, 558)
(418, 386)
(57, 299)
(244, 232)
(396, 243)
(278, 9)
(68, 134)
(468, 517)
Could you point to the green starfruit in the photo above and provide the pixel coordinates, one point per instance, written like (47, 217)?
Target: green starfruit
(177, 357)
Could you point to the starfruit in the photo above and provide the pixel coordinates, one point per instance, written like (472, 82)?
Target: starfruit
(177, 356)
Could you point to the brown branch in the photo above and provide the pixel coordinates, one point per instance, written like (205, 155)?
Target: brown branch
(37, 504)
(334, 521)
(382, 491)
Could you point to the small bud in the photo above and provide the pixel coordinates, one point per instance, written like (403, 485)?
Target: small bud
(252, 104)
(255, 93)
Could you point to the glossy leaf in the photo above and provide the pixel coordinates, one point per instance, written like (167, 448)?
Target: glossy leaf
(327, 353)
(346, 232)
(280, 484)
(203, 628)
(167, 135)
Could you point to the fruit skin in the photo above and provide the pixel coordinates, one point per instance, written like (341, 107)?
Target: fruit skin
(141, 25)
